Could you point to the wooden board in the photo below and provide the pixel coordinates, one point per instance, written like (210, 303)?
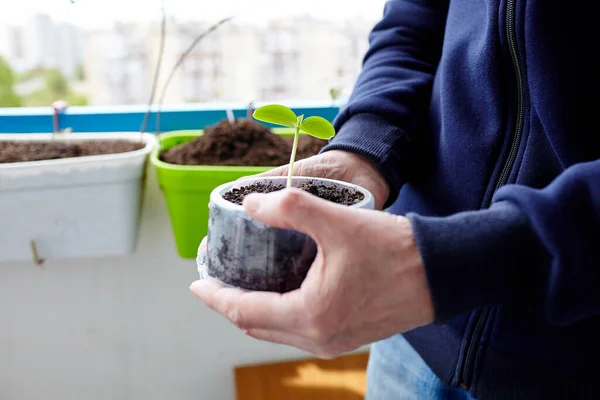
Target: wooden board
(341, 379)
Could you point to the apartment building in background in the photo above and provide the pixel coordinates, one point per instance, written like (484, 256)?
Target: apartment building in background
(116, 63)
(298, 58)
(39, 42)
(304, 58)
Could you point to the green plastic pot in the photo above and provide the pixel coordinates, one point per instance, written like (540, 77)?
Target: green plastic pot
(187, 189)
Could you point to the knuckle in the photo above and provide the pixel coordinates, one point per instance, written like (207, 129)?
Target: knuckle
(326, 353)
(234, 315)
(321, 334)
(320, 323)
(251, 333)
(319, 319)
(291, 201)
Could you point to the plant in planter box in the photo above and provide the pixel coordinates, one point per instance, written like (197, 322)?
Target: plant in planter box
(190, 165)
(74, 195)
(245, 253)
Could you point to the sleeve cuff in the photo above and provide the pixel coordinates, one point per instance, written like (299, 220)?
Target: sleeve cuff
(475, 259)
(378, 140)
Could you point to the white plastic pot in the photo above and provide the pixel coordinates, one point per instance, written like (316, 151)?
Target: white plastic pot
(72, 207)
(244, 253)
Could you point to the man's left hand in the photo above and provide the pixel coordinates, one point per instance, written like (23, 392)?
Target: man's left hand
(367, 282)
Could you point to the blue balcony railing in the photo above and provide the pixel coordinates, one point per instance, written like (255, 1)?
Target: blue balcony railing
(129, 118)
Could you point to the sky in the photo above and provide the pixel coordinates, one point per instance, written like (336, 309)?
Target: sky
(97, 13)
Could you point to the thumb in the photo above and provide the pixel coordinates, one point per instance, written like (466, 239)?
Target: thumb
(297, 210)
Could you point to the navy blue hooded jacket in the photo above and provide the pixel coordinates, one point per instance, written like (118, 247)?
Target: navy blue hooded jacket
(483, 117)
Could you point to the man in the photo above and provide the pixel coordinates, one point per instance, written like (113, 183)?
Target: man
(475, 123)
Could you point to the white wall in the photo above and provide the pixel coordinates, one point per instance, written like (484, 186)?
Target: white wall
(122, 328)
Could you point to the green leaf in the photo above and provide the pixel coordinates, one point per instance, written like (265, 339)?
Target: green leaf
(276, 114)
(318, 127)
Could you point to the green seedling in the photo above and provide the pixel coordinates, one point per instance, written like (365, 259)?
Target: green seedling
(281, 115)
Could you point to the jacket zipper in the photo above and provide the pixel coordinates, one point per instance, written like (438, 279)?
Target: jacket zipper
(512, 45)
(469, 363)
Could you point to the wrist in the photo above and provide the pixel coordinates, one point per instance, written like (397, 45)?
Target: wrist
(410, 269)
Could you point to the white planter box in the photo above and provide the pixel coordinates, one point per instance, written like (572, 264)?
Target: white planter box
(72, 207)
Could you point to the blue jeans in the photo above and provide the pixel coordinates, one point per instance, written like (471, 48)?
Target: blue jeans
(397, 372)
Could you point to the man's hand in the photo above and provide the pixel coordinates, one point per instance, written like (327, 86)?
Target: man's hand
(367, 282)
(342, 166)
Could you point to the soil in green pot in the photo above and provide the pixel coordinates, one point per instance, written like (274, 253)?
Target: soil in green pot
(337, 195)
(242, 143)
(22, 151)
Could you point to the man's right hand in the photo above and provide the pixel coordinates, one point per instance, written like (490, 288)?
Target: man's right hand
(343, 166)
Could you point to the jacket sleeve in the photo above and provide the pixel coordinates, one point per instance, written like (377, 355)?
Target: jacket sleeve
(392, 93)
(541, 246)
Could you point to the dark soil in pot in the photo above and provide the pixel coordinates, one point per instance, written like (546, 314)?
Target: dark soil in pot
(337, 195)
(243, 143)
(22, 151)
